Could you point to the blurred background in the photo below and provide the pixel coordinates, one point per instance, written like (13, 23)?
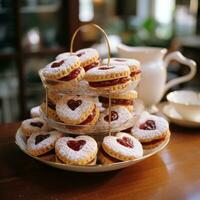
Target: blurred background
(33, 32)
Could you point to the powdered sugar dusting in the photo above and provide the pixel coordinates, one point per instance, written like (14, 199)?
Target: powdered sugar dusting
(162, 126)
(68, 62)
(54, 136)
(63, 109)
(123, 116)
(87, 54)
(111, 142)
(131, 63)
(85, 152)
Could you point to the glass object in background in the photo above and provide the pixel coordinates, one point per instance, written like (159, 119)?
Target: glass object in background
(40, 21)
(9, 109)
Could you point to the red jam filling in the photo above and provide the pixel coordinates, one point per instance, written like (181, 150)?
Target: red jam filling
(76, 145)
(105, 68)
(153, 141)
(88, 67)
(148, 125)
(116, 101)
(109, 82)
(125, 141)
(57, 64)
(114, 116)
(135, 73)
(36, 124)
(89, 118)
(73, 104)
(71, 75)
(40, 138)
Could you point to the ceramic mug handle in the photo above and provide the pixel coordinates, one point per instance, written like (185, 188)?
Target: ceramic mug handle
(183, 60)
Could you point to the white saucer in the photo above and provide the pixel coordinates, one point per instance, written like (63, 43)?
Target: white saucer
(169, 110)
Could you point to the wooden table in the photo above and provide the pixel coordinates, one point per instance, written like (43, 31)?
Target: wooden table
(173, 174)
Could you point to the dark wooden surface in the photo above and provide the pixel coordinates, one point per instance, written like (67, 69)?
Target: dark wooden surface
(174, 173)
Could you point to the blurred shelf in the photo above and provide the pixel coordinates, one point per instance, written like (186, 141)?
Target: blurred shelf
(44, 52)
(7, 55)
(40, 9)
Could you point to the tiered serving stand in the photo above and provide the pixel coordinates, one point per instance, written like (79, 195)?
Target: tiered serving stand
(96, 131)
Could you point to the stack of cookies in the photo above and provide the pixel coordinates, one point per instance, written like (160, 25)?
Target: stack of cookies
(102, 109)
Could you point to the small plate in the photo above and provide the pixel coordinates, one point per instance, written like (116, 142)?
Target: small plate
(20, 141)
(169, 110)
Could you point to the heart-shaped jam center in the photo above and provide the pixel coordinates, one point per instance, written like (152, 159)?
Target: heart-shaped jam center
(73, 104)
(80, 54)
(120, 60)
(105, 68)
(114, 116)
(76, 145)
(40, 138)
(57, 64)
(36, 124)
(125, 141)
(148, 125)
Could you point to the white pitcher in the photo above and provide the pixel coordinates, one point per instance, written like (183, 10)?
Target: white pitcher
(153, 84)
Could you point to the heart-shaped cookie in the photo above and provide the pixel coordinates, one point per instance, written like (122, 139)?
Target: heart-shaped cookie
(36, 124)
(75, 110)
(77, 151)
(122, 147)
(150, 130)
(119, 115)
(42, 142)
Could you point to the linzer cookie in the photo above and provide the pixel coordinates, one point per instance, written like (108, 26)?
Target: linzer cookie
(119, 116)
(75, 110)
(134, 66)
(89, 57)
(33, 125)
(110, 78)
(104, 158)
(81, 150)
(42, 142)
(122, 99)
(53, 97)
(122, 147)
(63, 73)
(151, 130)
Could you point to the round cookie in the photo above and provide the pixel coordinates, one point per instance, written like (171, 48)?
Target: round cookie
(51, 110)
(63, 73)
(42, 142)
(89, 57)
(119, 116)
(75, 110)
(122, 147)
(122, 99)
(109, 78)
(151, 130)
(104, 158)
(81, 150)
(33, 125)
(134, 66)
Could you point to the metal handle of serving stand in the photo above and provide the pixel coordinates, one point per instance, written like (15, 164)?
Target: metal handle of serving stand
(109, 54)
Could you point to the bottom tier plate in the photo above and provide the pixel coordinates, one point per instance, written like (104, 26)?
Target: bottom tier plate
(21, 142)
